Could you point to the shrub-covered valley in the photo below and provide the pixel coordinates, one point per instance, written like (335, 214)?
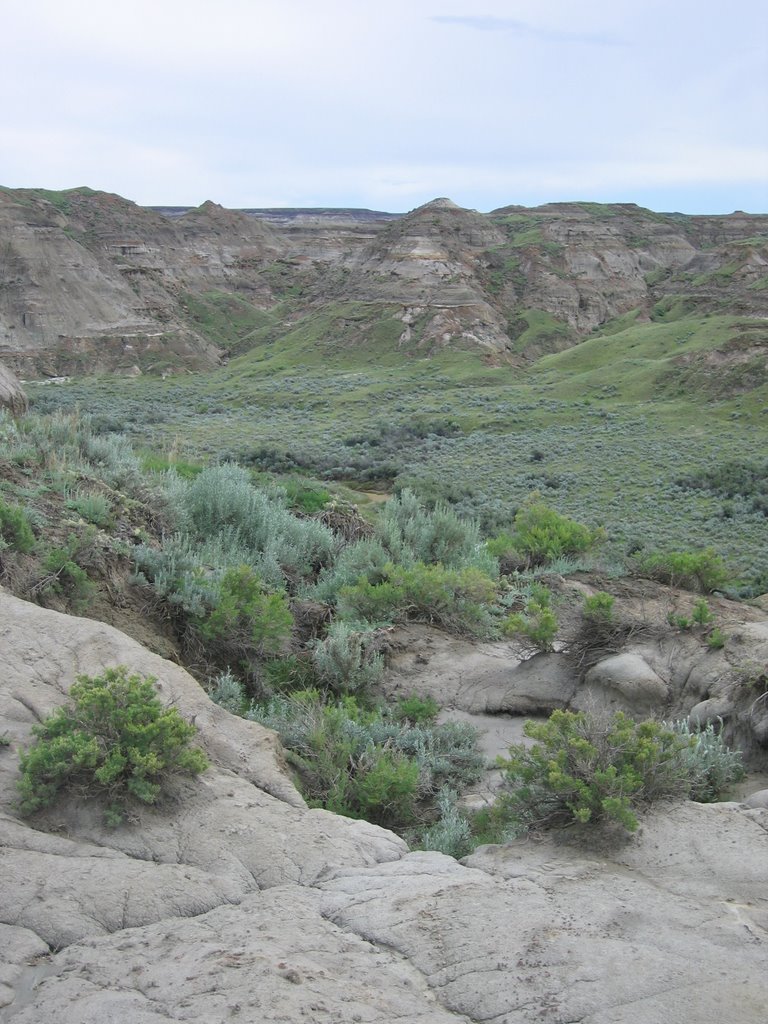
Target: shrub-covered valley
(383, 613)
(348, 421)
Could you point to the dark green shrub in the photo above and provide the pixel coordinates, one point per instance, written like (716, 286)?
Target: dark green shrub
(679, 621)
(304, 496)
(291, 672)
(716, 639)
(384, 788)
(154, 463)
(535, 628)
(598, 607)
(93, 507)
(457, 600)
(416, 709)
(585, 769)
(367, 764)
(748, 480)
(702, 615)
(64, 575)
(696, 570)
(116, 740)
(540, 535)
(15, 529)
(341, 766)
(246, 618)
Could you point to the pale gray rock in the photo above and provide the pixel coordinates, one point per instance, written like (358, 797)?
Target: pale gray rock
(12, 395)
(755, 631)
(21, 948)
(709, 712)
(46, 651)
(63, 891)
(625, 682)
(757, 800)
(664, 928)
(232, 901)
(480, 678)
(271, 959)
(238, 827)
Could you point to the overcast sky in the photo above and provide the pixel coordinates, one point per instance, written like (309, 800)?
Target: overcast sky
(389, 103)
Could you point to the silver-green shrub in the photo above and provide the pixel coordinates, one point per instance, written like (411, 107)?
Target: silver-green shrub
(228, 692)
(710, 765)
(344, 661)
(326, 733)
(411, 533)
(366, 558)
(222, 502)
(451, 834)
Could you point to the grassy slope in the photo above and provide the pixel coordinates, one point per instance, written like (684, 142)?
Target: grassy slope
(603, 429)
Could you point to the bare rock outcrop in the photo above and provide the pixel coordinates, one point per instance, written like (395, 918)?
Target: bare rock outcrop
(232, 901)
(242, 826)
(12, 395)
(480, 678)
(90, 282)
(651, 668)
(623, 682)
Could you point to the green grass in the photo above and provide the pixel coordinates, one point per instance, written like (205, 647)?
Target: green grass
(542, 330)
(224, 318)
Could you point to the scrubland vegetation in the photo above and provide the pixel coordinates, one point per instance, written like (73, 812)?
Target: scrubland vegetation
(607, 431)
(280, 598)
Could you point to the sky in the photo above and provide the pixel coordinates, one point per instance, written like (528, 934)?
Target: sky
(387, 104)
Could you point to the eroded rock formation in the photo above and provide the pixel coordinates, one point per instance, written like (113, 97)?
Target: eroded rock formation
(90, 282)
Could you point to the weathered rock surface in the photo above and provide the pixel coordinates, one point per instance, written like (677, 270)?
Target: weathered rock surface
(241, 826)
(12, 394)
(684, 897)
(655, 670)
(625, 682)
(481, 678)
(272, 958)
(232, 901)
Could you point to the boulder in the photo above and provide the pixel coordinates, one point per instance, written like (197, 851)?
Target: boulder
(624, 682)
(12, 396)
(757, 800)
(710, 712)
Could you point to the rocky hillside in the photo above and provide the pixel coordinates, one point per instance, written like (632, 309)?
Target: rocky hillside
(92, 282)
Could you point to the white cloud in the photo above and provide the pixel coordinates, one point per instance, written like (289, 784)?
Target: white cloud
(350, 101)
(489, 23)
